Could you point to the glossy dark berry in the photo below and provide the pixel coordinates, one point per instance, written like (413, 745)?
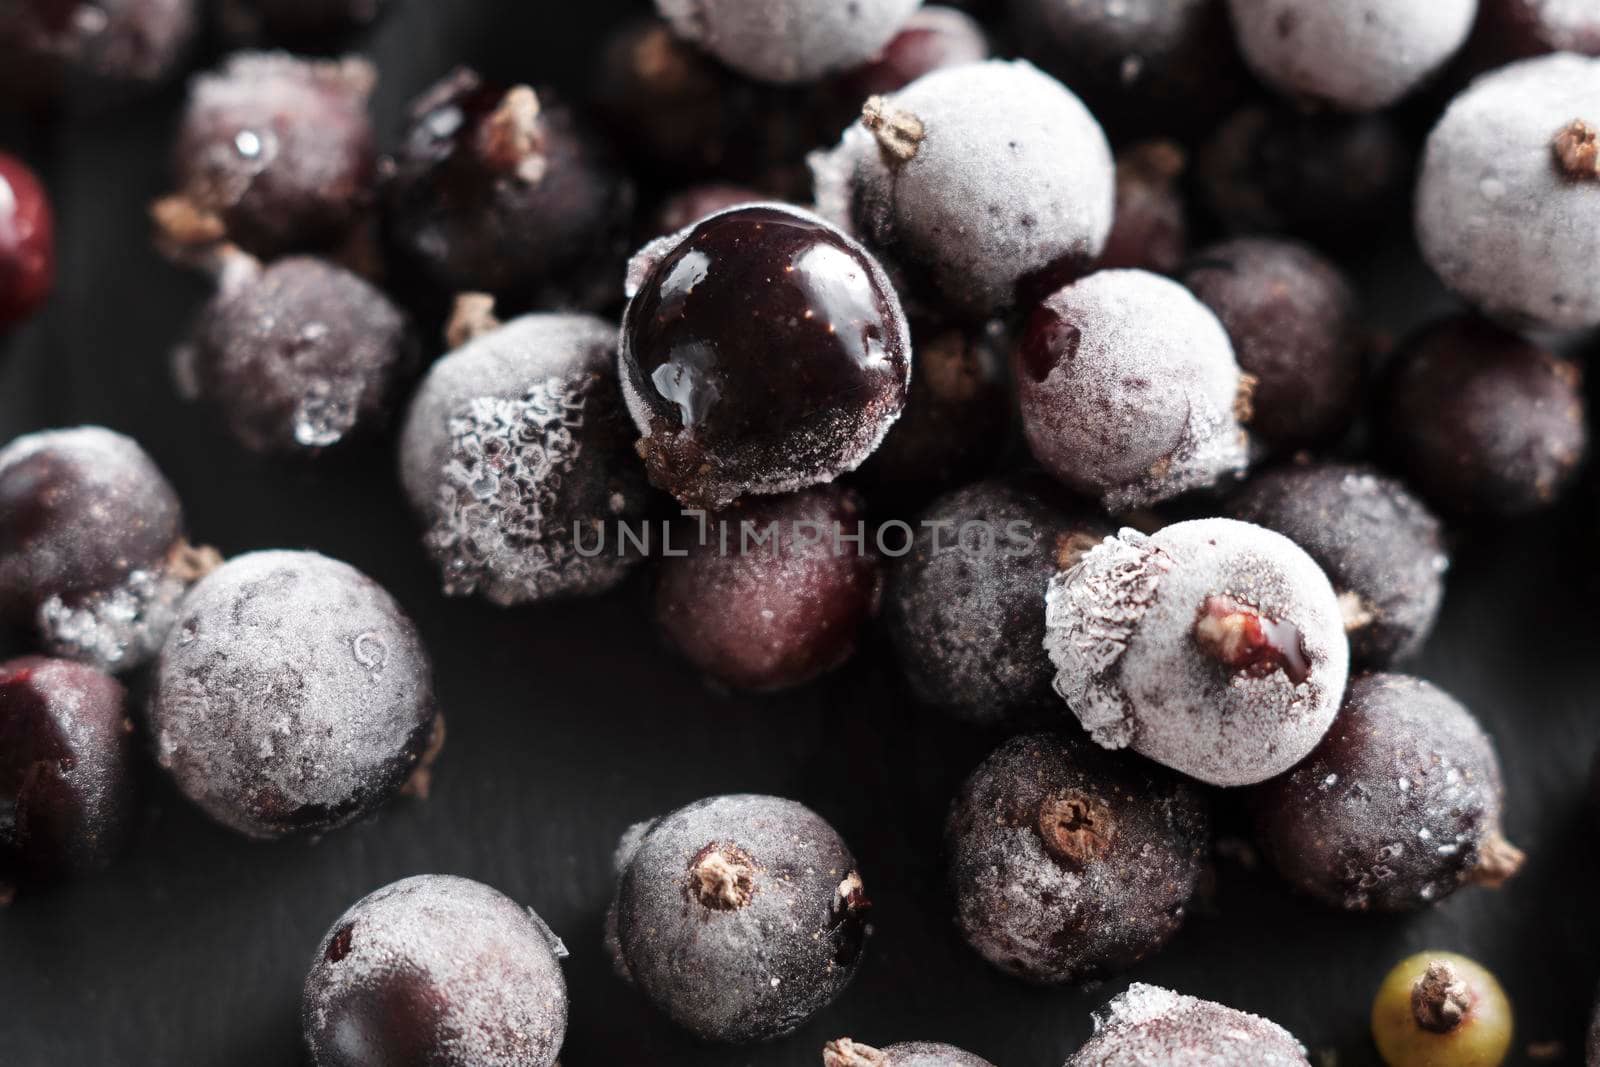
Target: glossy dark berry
(27, 242)
(1129, 390)
(964, 607)
(501, 189)
(847, 1053)
(275, 154)
(1069, 863)
(688, 207)
(436, 970)
(1296, 327)
(1359, 56)
(1382, 549)
(1151, 231)
(933, 38)
(1397, 808)
(738, 916)
(788, 41)
(1482, 421)
(293, 695)
(300, 22)
(297, 356)
(66, 755)
(762, 351)
(990, 182)
(517, 457)
(1508, 201)
(1440, 1009)
(1214, 647)
(1148, 1025)
(49, 48)
(775, 595)
(92, 555)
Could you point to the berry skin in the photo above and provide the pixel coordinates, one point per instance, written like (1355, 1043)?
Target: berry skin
(1482, 421)
(684, 209)
(27, 242)
(293, 695)
(1359, 56)
(436, 970)
(516, 457)
(738, 916)
(1213, 647)
(788, 41)
(1508, 201)
(1148, 1025)
(50, 50)
(501, 190)
(963, 613)
(1069, 863)
(1441, 1009)
(771, 614)
(298, 356)
(847, 1053)
(990, 182)
(1397, 808)
(933, 38)
(1130, 392)
(762, 351)
(1382, 549)
(1521, 29)
(1295, 324)
(66, 779)
(1151, 231)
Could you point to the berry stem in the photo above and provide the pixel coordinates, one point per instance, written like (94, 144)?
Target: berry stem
(847, 1053)
(420, 784)
(1577, 151)
(1076, 829)
(899, 132)
(1440, 1000)
(1498, 860)
(473, 316)
(510, 138)
(723, 877)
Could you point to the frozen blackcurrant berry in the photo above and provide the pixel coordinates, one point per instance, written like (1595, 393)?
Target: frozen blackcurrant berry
(1130, 392)
(66, 754)
(933, 38)
(52, 47)
(1360, 56)
(275, 154)
(1483, 421)
(299, 22)
(92, 553)
(516, 456)
(1296, 329)
(1398, 806)
(788, 41)
(297, 356)
(762, 351)
(1070, 863)
(1440, 1009)
(991, 181)
(1151, 231)
(1380, 547)
(1508, 202)
(684, 209)
(1214, 647)
(847, 1053)
(772, 593)
(738, 916)
(293, 695)
(436, 970)
(1148, 1026)
(964, 607)
(502, 190)
(27, 242)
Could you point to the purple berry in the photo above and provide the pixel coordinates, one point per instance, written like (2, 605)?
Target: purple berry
(1520, 29)
(1148, 1025)
(788, 41)
(932, 39)
(847, 1053)
(1151, 231)
(27, 242)
(51, 48)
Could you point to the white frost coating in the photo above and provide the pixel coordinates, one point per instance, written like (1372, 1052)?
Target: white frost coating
(1496, 216)
(1012, 176)
(1119, 627)
(1359, 55)
(788, 41)
(1148, 1026)
(114, 629)
(491, 966)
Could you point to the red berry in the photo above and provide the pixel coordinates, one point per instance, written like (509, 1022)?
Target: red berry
(27, 242)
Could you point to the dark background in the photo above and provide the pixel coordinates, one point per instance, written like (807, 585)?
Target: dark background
(568, 723)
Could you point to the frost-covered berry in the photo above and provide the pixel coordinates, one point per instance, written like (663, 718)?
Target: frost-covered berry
(1380, 547)
(788, 41)
(1130, 392)
(990, 180)
(92, 552)
(1148, 1026)
(964, 607)
(1070, 863)
(516, 455)
(1508, 201)
(847, 1053)
(763, 351)
(739, 916)
(293, 695)
(1214, 647)
(1358, 55)
(436, 970)
(50, 49)
(1397, 808)
(297, 356)
(1151, 231)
